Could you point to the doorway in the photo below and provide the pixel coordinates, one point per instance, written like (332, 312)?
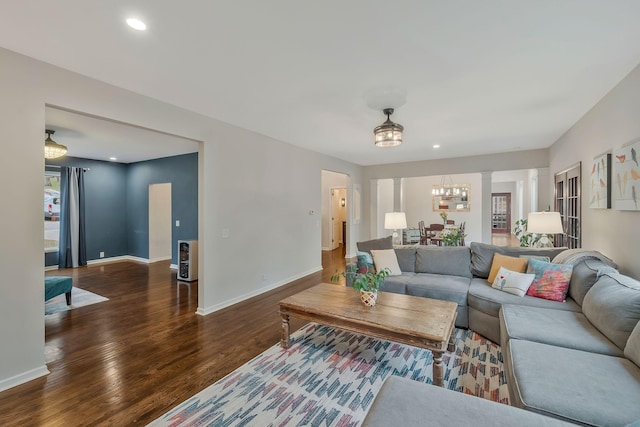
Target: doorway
(338, 218)
(159, 222)
(501, 212)
(335, 205)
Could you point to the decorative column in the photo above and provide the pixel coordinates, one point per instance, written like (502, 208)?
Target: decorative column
(486, 207)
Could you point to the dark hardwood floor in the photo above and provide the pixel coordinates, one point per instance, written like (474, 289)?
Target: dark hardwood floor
(130, 359)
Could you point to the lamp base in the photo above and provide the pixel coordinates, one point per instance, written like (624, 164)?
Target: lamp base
(396, 238)
(544, 242)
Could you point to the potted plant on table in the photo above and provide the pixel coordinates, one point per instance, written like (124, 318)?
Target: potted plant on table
(365, 280)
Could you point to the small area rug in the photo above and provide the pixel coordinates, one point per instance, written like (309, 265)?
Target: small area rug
(329, 377)
(79, 298)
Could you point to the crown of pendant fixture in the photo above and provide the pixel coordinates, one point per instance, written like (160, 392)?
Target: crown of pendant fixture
(52, 149)
(388, 134)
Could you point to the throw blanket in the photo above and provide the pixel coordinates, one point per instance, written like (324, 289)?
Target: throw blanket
(575, 256)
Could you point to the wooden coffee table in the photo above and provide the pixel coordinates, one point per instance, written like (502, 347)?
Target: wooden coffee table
(417, 321)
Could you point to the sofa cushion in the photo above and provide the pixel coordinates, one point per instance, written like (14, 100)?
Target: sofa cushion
(382, 243)
(584, 275)
(448, 288)
(551, 281)
(488, 300)
(512, 282)
(518, 265)
(613, 306)
(397, 284)
(407, 258)
(453, 261)
(482, 255)
(385, 259)
(632, 349)
(578, 386)
(555, 327)
(404, 402)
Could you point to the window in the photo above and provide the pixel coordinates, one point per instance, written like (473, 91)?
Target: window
(51, 210)
(567, 202)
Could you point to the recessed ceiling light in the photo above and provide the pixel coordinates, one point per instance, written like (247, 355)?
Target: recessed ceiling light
(136, 24)
(436, 145)
(113, 159)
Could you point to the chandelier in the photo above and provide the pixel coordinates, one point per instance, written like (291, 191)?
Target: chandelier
(52, 149)
(388, 134)
(449, 190)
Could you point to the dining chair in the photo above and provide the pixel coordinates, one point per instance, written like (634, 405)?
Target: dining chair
(435, 230)
(424, 237)
(451, 221)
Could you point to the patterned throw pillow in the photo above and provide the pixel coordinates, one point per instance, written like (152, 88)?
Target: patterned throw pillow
(365, 262)
(552, 280)
(513, 282)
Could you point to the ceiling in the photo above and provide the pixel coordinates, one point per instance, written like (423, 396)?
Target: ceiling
(476, 77)
(95, 138)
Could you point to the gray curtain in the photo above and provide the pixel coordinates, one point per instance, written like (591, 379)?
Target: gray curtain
(72, 246)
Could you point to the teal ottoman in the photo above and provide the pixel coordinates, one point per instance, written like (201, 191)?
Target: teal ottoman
(58, 285)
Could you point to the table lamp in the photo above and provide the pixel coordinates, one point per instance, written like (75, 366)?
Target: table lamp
(395, 221)
(544, 223)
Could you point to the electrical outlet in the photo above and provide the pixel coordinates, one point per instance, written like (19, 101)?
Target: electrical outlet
(225, 233)
(101, 254)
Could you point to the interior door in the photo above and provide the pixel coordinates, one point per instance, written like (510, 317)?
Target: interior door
(501, 212)
(336, 224)
(159, 222)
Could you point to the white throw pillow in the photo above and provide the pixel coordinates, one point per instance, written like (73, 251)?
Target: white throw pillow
(512, 281)
(386, 258)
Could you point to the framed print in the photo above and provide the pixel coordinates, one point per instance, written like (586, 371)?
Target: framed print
(627, 177)
(600, 182)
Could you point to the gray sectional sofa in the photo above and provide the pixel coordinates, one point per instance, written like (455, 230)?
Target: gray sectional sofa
(577, 361)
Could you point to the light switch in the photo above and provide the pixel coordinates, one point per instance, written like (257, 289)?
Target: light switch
(225, 233)
(177, 223)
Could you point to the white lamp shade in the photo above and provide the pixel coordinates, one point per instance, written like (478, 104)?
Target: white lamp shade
(544, 223)
(395, 220)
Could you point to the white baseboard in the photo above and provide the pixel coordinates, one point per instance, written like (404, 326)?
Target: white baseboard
(24, 377)
(164, 258)
(173, 267)
(118, 259)
(51, 267)
(208, 310)
(349, 256)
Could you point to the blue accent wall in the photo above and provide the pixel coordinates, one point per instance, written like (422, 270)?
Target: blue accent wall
(117, 203)
(105, 207)
(182, 173)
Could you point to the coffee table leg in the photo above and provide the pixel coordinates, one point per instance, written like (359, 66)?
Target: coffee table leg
(451, 347)
(284, 341)
(438, 369)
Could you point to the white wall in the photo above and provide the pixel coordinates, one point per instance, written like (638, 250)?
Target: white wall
(258, 188)
(608, 125)
(330, 180)
(419, 207)
(385, 204)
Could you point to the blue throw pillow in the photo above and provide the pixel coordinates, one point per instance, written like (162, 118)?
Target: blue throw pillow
(365, 261)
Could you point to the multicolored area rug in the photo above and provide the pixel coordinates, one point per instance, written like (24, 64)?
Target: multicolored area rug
(79, 298)
(329, 377)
